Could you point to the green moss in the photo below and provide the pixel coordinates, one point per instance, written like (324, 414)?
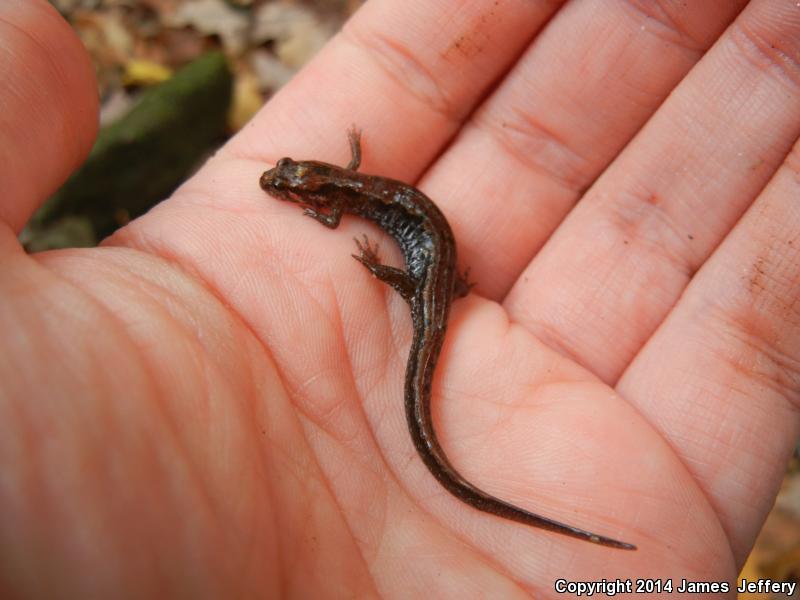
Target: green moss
(140, 159)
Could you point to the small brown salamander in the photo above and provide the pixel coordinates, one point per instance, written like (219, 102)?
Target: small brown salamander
(429, 283)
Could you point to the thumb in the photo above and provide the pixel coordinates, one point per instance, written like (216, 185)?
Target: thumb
(48, 106)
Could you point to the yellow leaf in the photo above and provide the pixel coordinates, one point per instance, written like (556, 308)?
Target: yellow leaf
(247, 99)
(145, 72)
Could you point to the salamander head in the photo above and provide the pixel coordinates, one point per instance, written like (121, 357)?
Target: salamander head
(290, 179)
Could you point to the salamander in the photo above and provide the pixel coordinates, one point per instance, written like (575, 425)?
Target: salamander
(429, 284)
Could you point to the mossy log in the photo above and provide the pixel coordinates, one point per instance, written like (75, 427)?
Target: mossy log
(141, 158)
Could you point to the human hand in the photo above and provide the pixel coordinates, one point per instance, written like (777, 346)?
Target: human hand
(211, 402)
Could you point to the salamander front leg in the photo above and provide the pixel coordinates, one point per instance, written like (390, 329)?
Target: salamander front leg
(354, 137)
(397, 278)
(330, 220)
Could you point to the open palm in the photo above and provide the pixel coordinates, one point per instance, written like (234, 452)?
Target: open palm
(211, 402)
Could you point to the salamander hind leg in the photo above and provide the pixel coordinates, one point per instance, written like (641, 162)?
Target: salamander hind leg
(397, 278)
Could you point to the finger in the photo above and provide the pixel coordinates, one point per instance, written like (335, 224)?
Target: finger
(48, 106)
(579, 94)
(405, 72)
(720, 379)
(623, 258)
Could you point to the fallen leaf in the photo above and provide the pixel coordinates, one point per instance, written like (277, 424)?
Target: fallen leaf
(144, 72)
(213, 17)
(272, 74)
(247, 98)
(297, 32)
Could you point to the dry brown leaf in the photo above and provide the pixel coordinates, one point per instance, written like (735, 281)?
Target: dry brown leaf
(213, 17)
(297, 32)
(271, 73)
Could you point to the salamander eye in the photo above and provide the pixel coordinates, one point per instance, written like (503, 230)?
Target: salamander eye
(284, 162)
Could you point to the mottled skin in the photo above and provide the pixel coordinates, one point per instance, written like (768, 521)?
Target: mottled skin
(429, 284)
